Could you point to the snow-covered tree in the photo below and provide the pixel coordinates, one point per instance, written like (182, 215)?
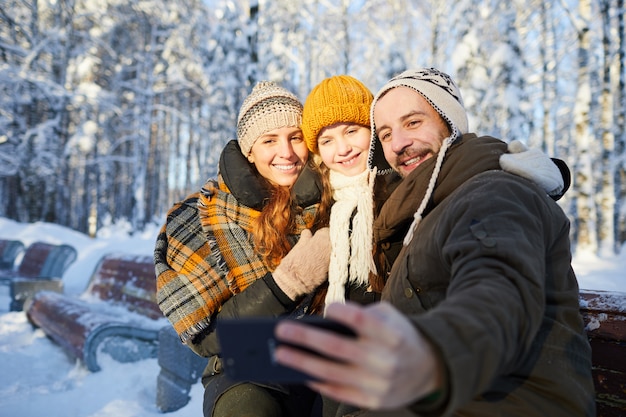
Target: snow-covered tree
(112, 110)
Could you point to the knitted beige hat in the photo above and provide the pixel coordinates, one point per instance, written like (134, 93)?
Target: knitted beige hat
(268, 107)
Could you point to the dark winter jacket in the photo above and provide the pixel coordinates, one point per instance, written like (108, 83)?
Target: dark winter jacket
(487, 278)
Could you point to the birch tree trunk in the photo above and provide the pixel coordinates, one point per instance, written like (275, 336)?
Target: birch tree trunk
(606, 194)
(548, 84)
(620, 134)
(144, 115)
(586, 216)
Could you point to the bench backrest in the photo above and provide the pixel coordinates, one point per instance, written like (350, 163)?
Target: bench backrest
(45, 260)
(127, 280)
(605, 319)
(59, 259)
(34, 259)
(9, 249)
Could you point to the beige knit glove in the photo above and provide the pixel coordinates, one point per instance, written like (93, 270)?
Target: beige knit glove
(306, 265)
(533, 165)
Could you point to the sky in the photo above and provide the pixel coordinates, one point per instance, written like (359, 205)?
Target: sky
(38, 379)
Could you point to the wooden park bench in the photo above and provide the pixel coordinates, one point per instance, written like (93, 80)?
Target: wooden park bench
(116, 314)
(604, 313)
(41, 268)
(9, 250)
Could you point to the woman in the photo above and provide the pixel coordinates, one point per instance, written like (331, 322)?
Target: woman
(223, 252)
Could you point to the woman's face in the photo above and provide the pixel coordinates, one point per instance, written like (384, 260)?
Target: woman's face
(279, 155)
(344, 148)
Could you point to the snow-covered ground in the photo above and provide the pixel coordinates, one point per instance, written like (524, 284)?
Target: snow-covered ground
(38, 379)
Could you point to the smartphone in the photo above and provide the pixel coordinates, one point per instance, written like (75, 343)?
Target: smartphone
(248, 344)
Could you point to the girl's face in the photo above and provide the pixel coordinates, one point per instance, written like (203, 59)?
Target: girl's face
(279, 155)
(344, 147)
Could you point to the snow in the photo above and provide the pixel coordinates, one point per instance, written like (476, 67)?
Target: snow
(38, 378)
(600, 273)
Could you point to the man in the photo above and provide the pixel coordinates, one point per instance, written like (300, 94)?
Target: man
(480, 312)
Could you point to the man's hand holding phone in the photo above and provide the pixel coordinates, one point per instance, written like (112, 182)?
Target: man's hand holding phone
(387, 365)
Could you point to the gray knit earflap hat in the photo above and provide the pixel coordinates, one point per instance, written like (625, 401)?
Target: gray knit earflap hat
(437, 88)
(268, 107)
(444, 96)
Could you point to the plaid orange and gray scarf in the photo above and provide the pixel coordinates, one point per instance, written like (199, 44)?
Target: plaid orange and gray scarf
(204, 256)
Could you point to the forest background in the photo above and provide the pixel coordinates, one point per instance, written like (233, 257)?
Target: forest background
(112, 110)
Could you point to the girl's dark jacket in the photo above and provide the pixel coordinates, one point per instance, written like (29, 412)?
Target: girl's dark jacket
(487, 278)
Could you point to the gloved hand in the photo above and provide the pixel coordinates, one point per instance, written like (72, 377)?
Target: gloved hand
(533, 165)
(306, 265)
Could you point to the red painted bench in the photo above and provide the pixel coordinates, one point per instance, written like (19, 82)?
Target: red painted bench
(41, 268)
(117, 313)
(604, 313)
(38, 262)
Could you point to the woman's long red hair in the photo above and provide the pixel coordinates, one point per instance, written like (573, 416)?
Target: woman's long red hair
(278, 220)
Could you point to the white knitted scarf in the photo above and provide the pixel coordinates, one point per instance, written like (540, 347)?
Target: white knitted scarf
(351, 250)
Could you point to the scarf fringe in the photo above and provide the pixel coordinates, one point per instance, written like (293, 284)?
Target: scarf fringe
(197, 328)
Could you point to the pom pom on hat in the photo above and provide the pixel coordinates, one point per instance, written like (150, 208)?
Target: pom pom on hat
(268, 107)
(338, 99)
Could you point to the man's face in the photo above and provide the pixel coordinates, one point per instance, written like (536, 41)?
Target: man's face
(409, 128)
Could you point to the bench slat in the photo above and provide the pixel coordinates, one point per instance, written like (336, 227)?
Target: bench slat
(604, 313)
(127, 280)
(34, 260)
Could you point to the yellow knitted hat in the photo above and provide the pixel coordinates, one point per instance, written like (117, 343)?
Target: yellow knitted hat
(268, 107)
(338, 99)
